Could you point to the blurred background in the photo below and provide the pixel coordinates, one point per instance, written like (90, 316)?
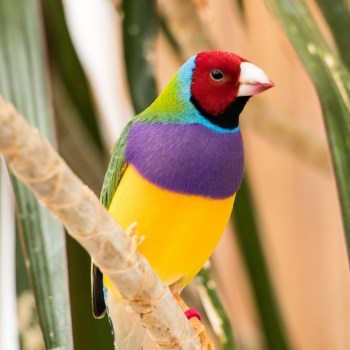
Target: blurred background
(79, 70)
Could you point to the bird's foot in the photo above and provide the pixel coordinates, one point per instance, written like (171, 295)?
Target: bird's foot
(136, 238)
(132, 230)
(198, 326)
(189, 313)
(195, 321)
(180, 301)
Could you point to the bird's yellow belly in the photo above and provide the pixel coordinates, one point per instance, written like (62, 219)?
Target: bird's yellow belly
(181, 231)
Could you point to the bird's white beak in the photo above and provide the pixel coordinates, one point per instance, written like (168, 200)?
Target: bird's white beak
(253, 80)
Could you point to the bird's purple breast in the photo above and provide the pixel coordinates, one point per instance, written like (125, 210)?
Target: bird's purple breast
(187, 158)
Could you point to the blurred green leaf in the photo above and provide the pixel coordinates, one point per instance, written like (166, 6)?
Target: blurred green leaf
(9, 335)
(332, 82)
(22, 281)
(63, 57)
(253, 256)
(139, 29)
(337, 14)
(209, 288)
(89, 333)
(82, 148)
(23, 81)
(28, 322)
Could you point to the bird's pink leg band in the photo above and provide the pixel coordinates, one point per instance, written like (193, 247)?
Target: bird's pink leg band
(192, 313)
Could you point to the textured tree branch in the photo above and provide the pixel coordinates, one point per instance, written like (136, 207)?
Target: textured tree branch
(32, 159)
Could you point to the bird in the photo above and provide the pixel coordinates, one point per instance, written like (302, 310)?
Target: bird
(175, 171)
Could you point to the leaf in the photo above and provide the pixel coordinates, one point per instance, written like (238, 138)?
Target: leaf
(255, 262)
(337, 15)
(209, 295)
(81, 146)
(64, 59)
(139, 29)
(332, 82)
(23, 80)
(28, 322)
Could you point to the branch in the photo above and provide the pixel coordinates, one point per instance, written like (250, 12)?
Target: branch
(32, 159)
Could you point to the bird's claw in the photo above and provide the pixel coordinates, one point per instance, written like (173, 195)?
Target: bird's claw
(135, 237)
(132, 230)
(195, 320)
(206, 343)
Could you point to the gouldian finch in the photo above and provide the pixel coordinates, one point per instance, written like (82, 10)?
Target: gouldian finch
(175, 171)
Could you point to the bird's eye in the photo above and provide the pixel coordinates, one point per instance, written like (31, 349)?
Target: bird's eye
(216, 75)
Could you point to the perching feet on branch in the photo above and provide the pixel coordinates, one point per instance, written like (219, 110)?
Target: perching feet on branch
(136, 238)
(195, 320)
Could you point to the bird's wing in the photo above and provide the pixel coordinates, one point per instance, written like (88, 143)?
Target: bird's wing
(115, 168)
(112, 178)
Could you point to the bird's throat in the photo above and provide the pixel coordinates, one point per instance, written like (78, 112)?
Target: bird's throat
(229, 119)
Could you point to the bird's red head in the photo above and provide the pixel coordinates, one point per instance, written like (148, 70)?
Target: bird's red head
(220, 77)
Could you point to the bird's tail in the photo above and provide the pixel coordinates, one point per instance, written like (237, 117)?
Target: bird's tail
(128, 331)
